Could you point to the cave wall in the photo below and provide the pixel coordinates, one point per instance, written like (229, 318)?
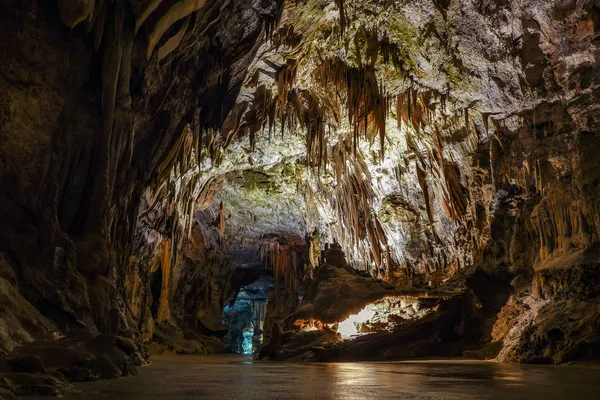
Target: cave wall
(490, 163)
(95, 101)
(496, 139)
(510, 191)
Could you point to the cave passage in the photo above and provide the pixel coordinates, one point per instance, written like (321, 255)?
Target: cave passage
(246, 316)
(315, 181)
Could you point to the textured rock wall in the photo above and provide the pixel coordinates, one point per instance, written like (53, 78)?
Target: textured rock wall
(491, 163)
(245, 224)
(96, 105)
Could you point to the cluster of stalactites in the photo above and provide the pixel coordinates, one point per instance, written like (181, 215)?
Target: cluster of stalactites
(416, 108)
(293, 108)
(366, 99)
(367, 102)
(358, 89)
(164, 260)
(351, 198)
(282, 260)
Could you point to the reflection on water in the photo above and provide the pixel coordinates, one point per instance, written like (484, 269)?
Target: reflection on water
(235, 377)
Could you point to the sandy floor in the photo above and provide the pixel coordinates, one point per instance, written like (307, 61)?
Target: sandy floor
(234, 377)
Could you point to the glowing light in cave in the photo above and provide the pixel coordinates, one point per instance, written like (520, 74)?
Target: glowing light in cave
(247, 347)
(351, 325)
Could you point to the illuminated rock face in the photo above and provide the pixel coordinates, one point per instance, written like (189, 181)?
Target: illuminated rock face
(352, 325)
(382, 315)
(494, 165)
(155, 158)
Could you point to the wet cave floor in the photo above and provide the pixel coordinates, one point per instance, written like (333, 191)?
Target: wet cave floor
(238, 377)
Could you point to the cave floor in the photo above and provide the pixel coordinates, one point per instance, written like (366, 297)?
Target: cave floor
(237, 377)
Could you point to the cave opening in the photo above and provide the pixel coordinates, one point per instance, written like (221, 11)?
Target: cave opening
(245, 316)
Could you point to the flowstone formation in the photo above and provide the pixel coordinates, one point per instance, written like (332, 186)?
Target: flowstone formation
(425, 169)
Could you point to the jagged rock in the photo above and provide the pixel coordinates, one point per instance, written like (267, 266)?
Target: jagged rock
(171, 339)
(24, 384)
(7, 389)
(5, 394)
(78, 374)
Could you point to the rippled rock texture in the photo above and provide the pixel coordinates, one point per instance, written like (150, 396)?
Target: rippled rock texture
(158, 156)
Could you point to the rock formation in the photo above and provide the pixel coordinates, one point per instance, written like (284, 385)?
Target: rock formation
(158, 157)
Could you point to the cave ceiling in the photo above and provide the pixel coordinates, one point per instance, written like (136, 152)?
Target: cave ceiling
(389, 102)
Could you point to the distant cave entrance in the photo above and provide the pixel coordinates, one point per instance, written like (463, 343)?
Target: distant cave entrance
(245, 316)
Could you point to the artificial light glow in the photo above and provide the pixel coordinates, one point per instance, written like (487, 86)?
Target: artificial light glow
(247, 344)
(308, 325)
(350, 326)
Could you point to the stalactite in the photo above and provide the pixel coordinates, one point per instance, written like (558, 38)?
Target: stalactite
(270, 26)
(97, 31)
(176, 12)
(448, 188)
(286, 36)
(343, 16)
(421, 176)
(367, 104)
(164, 312)
(217, 18)
(71, 14)
(390, 52)
(180, 153)
(442, 6)
(399, 106)
(222, 214)
(358, 230)
(285, 81)
(174, 40)
(486, 126)
(145, 13)
(281, 258)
